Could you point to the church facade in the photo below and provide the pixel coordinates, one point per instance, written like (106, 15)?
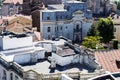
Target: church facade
(72, 21)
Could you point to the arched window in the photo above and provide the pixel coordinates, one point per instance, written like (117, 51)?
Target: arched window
(77, 27)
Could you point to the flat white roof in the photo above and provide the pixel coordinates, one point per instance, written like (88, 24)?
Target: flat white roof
(43, 67)
(56, 42)
(9, 55)
(56, 10)
(75, 2)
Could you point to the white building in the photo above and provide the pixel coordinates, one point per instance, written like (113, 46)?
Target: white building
(107, 76)
(23, 59)
(71, 20)
(65, 55)
(75, 29)
(17, 49)
(11, 7)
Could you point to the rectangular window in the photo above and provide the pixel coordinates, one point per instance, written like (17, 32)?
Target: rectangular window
(4, 75)
(114, 29)
(48, 30)
(11, 76)
(55, 29)
(48, 18)
(61, 28)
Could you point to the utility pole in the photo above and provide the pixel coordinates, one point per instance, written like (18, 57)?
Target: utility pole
(1, 3)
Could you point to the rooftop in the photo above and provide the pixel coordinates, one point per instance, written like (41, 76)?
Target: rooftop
(15, 27)
(15, 16)
(18, 24)
(25, 20)
(107, 59)
(43, 67)
(56, 10)
(10, 54)
(65, 51)
(14, 1)
(8, 34)
(56, 42)
(74, 1)
(56, 6)
(1, 21)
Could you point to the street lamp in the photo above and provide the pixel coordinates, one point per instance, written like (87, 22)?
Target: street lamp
(1, 3)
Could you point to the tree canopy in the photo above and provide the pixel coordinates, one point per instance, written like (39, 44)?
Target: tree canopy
(118, 5)
(100, 31)
(106, 29)
(1, 2)
(93, 30)
(91, 42)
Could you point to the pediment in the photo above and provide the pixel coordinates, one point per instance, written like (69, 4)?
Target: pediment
(78, 12)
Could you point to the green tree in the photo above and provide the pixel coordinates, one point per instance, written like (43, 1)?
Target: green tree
(1, 2)
(106, 29)
(118, 5)
(91, 42)
(93, 30)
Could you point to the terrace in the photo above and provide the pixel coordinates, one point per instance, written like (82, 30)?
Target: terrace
(43, 67)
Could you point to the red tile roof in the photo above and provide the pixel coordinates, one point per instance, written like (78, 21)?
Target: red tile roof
(107, 59)
(15, 27)
(1, 21)
(14, 1)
